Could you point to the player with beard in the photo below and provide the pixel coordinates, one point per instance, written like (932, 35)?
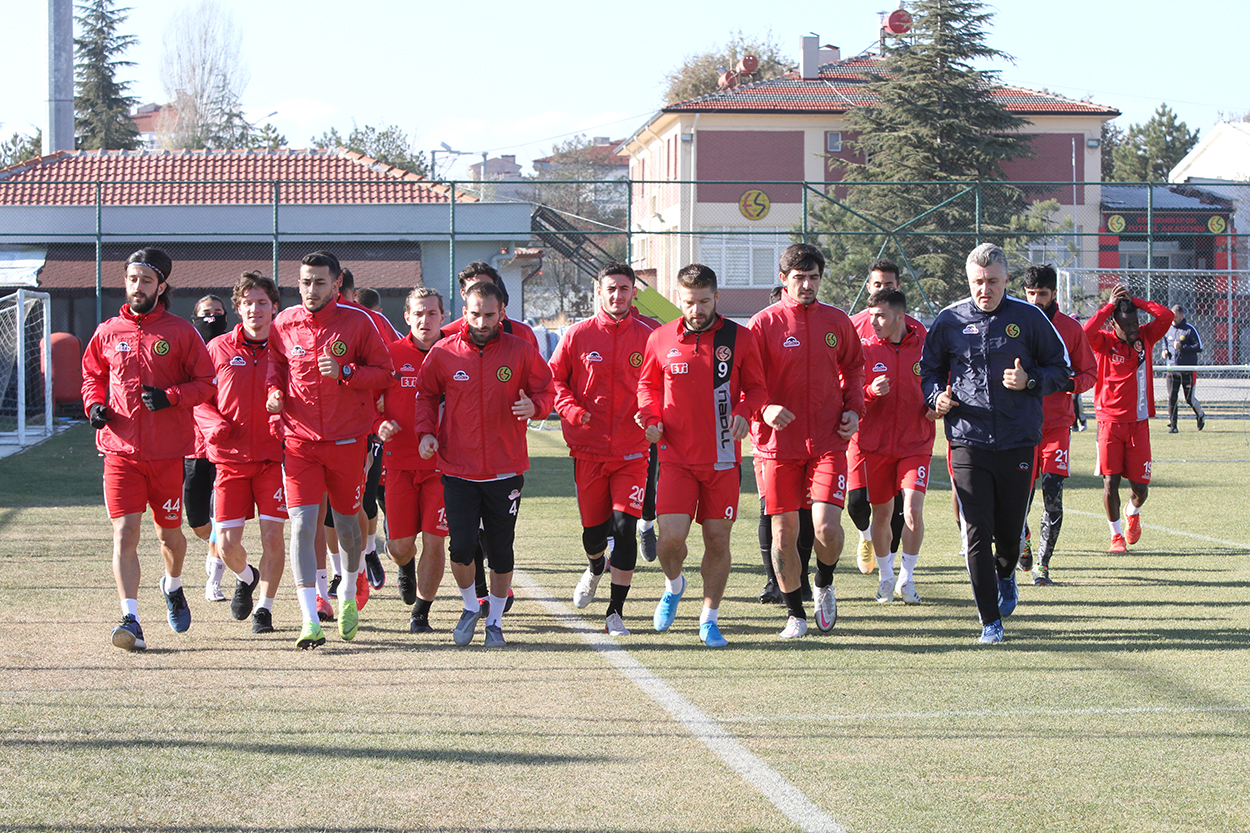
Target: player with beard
(198, 472)
(143, 371)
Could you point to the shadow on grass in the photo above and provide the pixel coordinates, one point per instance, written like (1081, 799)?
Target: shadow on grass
(404, 828)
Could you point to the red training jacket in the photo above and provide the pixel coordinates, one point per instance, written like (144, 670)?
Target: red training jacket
(401, 451)
(695, 383)
(1057, 409)
(1125, 389)
(895, 424)
(478, 437)
(234, 422)
(596, 367)
(863, 325)
(815, 368)
(158, 349)
(315, 407)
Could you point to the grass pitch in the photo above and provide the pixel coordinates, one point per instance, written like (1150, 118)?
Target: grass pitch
(1119, 702)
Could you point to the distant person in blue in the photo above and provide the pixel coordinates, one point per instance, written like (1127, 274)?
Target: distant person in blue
(1181, 347)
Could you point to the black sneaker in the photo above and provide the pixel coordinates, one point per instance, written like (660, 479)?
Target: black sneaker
(128, 635)
(407, 581)
(1202, 421)
(374, 571)
(241, 604)
(771, 594)
(419, 624)
(262, 620)
(333, 590)
(508, 604)
(648, 544)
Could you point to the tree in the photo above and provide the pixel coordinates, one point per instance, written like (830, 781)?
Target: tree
(204, 75)
(101, 106)
(1150, 151)
(936, 122)
(1112, 138)
(267, 137)
(699, 74)
(20, 148)
(390, 146)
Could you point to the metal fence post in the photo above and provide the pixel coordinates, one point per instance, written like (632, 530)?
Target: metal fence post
(804, 212)
(99, 258)
(1150, 240)
(629, 222)
(276, 186)
(978, 212)
(451, 247)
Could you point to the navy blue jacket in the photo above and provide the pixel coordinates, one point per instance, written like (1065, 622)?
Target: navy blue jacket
(969, 349)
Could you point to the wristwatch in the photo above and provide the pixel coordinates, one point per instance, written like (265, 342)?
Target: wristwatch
(1032, 383)
(346, 371)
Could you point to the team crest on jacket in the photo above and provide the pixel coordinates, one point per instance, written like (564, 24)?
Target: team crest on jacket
(238, 361)
(791, 341)
(461, 376)
(593, 356)
(831, 339)
(298, 351)
(971, 330)
(915, 368)
(161, 347)
(723, 353)
(635, 359)
(122, 347)
(1013, 330)
(673, 352)
(407, 368)
(879, 367)
(338, 348)
(504, 373)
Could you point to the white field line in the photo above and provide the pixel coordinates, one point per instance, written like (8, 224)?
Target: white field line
(990, 713)
(771, 784)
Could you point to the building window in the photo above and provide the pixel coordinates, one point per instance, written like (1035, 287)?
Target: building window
(833, 142)
(742, 257)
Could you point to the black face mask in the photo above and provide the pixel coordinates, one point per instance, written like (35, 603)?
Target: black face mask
(210, 326)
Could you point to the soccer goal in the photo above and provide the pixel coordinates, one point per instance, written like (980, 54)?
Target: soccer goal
(25, 354)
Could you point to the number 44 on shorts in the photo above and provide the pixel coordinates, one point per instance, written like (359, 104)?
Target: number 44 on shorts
(172, 508)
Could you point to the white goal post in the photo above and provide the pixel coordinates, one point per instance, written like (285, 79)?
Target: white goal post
(25, 367)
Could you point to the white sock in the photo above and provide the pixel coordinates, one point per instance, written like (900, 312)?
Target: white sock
(1131, 509)
(709, 614)
(267, 603)
(347, 589)
(307, 602)
(1115, 527)
(469, 594)
(214, 567)
(247, 575)
(131, 606)
(371, 543)
(644, 525)
(675, 585)
(172, 583)
(495, 617)
(865, 535)
(907, 568)
(885, 563)
(336, 562)
(323, 586)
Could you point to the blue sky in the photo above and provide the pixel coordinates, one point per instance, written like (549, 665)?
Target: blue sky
(515, 77)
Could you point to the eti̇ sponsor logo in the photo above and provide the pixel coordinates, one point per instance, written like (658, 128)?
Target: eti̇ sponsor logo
(971, 330)
(461, 376)
(673, 352)
(791, 341)
(298, 351)
(1013, 330)
(504, 373)
(1116, 358)
(514, 494)
(679, 368)
(635, 359)
(879, 367)
(338, 348)
(161, 347)
(593, 356)
(238, 361)
(407, 368)
(723, 353)
(122, 347)
(408, 381)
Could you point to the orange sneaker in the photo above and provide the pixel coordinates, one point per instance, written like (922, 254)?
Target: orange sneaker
(325, 613)
(1133, 529)
(362, 590)
(1117, 544)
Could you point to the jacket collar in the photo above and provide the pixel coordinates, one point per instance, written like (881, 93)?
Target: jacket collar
(134, 318)
(683, 333)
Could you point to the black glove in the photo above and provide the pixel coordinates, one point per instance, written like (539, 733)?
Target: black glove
(98, 416)
(155, 398)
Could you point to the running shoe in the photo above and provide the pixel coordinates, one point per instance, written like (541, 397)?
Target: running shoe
(241, 604)
(1041, 576)
(795, 629)
(1132, 529)
(1202, 421)
(867, 559)
(463, 634)
(771, 594)
(374, 570)
(1008, 595)
(508, 604)
(128, 635)
(212, 591)
(349, 619)
(992, 633)
(587, 585)
(407, 582)
(419, 623)
(906, 592)
(666, 610)
(262, 620)
(709, 632)
(885, 591)
(310, 636)
(1172, 430)
(1026, 555)
(647, 537)
(1118, 544)
(179, 613)
(494, 637)
(483, 602)
(325, 613)
(613, 626)
(362, 591)
(826, 609)
(333, 592)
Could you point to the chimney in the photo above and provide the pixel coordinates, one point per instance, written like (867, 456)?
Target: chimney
(59, 134)
(829, 54)
(600, 141)
(809, 64)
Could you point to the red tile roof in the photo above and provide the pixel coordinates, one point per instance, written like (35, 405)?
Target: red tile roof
(214, 177)
(842, 86)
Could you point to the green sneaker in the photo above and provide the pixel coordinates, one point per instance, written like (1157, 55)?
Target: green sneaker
(310, 636)
(349, 619)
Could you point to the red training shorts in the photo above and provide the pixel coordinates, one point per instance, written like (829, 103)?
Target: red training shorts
(414, 503)
(1124, 448)
(607, 486)
(856, 475)
(888, 475)
(242, 488)
(1052, 453)
(791, 485)
(132, 486)
(701, 493)
(313, 469)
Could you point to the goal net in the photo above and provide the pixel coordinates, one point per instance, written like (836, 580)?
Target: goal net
(25, 352)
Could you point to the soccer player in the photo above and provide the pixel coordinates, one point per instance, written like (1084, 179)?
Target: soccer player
(413, 484)
(142, 373)
(326, 360)
(815, 368)
(491, 383)
(987, 362)
(1058, 416)
(895, 439)
(245, 451)
(701, 381)
(883, 274)
(1124, 401)
(595, 369)
(198, 472)
(1181, 346)
(646, 523)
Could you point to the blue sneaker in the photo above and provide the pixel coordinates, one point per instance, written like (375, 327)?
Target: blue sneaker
(709, 632)
(128, 635)
(179, 613)
(666, 610)
(992, 633)
(1008, 595)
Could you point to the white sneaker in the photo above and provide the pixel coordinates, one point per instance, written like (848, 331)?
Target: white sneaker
(212, 590)
(826, 608)
(907, 592)
(614, 626)
(795, 629)
(885, 591)
(584, 592)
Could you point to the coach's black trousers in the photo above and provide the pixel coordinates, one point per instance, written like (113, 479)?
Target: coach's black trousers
(482, 509)
(992, 488)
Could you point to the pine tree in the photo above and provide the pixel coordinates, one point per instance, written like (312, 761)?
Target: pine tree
(101, 106)
(1150, 151)
(936, 122)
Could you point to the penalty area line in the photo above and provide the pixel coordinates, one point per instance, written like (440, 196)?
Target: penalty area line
(994, 714)
(786, 797)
